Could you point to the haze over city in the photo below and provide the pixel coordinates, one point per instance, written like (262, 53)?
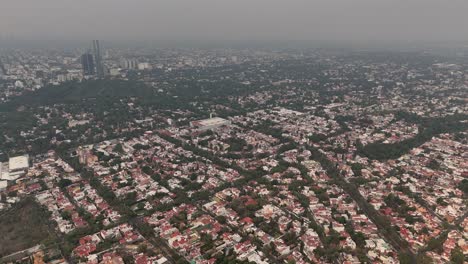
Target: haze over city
(342, 21)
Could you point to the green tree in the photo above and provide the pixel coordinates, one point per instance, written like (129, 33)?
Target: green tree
(463, 186)
(64, 183)
(142, 248)
(118, 148)
(423, 259)
(405, 258)
(456, 256)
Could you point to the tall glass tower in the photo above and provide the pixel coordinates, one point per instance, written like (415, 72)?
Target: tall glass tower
(87, 62)
(97, 58)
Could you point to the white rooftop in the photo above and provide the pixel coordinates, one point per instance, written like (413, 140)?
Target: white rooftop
(211, 121)
(18, 163)
(3, 185)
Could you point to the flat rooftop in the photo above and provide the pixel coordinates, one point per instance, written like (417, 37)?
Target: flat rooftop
(211, 121)
(18, 163)
(215, 121)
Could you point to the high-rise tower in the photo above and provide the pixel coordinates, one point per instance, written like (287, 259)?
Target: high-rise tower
(87, 62)
(97, 58)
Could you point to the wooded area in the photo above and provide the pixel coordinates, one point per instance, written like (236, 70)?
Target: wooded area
(22, 227)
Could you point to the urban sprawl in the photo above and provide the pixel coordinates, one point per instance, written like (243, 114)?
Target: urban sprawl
(233, 156)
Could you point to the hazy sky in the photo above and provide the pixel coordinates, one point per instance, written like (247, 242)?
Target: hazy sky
(237, 20)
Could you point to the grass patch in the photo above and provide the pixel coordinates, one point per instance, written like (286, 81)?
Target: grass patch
(22, 227)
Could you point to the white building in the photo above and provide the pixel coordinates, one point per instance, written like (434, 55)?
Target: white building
(129, 64)
(3, 185)
(114, 71)
(210, 123)
(18, 163)
(17, 167)
(144, 66)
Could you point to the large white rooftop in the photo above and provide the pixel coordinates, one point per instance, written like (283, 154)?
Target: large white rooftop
(18, 163)
(3, 185)
(212, 121)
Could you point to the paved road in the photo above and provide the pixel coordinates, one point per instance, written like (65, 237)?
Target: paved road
(26, 252)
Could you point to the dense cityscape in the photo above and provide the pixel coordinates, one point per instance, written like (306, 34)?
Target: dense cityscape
(263, 156)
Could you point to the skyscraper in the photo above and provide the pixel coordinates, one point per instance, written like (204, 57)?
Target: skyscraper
(87, 62)
(97, 58)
